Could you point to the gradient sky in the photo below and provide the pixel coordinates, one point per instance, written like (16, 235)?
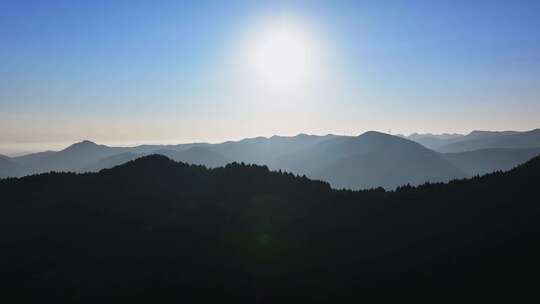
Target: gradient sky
(130, 72)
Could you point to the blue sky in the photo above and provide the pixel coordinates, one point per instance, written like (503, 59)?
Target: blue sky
(128, 72)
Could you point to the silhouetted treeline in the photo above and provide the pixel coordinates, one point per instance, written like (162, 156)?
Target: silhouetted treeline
(154, 229)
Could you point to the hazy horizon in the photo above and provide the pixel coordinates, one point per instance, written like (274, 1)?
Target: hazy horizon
(19, 149)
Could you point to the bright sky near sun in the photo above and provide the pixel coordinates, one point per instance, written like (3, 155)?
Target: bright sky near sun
(129, 72)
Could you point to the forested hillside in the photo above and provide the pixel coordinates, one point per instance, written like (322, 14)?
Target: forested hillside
(156, 229)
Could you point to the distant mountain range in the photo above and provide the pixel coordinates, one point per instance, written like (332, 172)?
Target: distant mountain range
(451, 143)
(9, 167)
(486, 140)
(484, 161)
(433, 141)
(369, 160)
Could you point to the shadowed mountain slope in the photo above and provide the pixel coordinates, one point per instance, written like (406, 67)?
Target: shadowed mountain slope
(370, 160)
(111, 161)
(161, 230)
(197, 156)
(9, 168)
(264, 151)
(490, 160)
(434, 141)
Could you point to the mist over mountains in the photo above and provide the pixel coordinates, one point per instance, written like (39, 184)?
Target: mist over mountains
(485, 140)
(370, 160)
(477, 140)
(433, 141)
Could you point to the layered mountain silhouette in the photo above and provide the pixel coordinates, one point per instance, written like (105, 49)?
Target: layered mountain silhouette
(488, 160)
(434, 141)
(476, 140)
(263, 150)
(9, 168)
(369, 160)
(197, 156)
(154, 229)
(111, 161)
(74, 158)
(485, 140)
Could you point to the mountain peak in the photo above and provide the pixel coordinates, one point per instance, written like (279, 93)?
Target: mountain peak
(85, 144)
(153, 158)
(381, 139)
(147, 161)
(374, 134)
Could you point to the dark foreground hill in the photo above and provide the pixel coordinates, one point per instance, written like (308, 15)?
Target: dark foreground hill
(154, 230)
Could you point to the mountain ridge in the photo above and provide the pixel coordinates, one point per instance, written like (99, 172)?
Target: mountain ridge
(506, 139)
(370, 159)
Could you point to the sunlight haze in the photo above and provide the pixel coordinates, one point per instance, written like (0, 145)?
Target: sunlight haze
(183, 72)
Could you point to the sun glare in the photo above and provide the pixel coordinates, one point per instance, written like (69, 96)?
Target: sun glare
(282, 55)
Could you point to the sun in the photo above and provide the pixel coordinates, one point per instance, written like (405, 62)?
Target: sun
(282, 55)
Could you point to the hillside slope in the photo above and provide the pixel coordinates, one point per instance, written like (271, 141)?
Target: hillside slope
(9, 168)
(490, 160)
(161, 230)
(370, 160)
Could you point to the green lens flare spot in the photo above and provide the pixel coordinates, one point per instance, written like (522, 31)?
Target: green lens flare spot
(264, 239)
